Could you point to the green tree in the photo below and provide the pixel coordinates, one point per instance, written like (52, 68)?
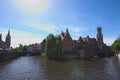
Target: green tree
(15, 49)
(24, 48)
(116, 45)
(53, 48)
(21, 48)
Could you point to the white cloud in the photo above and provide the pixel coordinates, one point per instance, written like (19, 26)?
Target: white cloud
(20, 37)
(78, 31)
(41, 26)
(109, 41)
(24, 38)
(75, 31)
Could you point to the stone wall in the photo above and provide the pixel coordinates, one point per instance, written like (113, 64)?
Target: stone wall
(10, 55)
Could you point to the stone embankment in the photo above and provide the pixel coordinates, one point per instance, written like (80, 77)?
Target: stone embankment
(10, 55)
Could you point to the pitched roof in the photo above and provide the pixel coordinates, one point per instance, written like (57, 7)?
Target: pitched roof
(62, 35)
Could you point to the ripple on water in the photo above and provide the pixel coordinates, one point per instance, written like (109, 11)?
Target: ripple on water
(34, 68)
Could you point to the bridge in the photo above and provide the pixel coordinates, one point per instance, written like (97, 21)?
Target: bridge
(10, 55)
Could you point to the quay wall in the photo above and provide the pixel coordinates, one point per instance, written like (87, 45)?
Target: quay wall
(10, 55)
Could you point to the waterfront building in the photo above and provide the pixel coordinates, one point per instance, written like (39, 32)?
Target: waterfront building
(34, 47)
(84, 46)
(67, 41)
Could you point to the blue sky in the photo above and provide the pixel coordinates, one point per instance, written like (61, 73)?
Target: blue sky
(30, 21)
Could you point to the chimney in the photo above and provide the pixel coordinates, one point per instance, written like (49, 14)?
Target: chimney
(62, 33)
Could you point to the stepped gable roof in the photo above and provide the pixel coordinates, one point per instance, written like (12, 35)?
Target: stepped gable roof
(2, 42)
(62, 35)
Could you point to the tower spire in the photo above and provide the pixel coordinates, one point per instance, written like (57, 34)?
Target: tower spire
(100, 37)
(0, 37)
(67, 29)
(9, 32)
(8, 41)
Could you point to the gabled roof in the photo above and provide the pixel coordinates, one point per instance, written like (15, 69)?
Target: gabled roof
(62, 35)
(2, 42)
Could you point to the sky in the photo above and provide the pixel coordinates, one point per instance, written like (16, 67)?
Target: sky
(30, 21)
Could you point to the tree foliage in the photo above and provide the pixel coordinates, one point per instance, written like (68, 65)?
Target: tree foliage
(53, 48)
(116, 45)
(21, 48)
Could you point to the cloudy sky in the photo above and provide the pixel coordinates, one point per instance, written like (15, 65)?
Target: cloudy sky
(30, 21)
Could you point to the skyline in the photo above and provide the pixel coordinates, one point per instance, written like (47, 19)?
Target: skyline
(30, 21)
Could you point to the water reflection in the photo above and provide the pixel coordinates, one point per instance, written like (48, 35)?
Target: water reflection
(21, 68)
(111, 70)
(118, 58)
(35, 68)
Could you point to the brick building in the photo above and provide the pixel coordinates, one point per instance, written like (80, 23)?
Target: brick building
(83, 47)
(67, 42)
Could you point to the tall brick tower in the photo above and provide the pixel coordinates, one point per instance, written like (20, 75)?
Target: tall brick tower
(8, 41)
(0, 37)
(100, 37)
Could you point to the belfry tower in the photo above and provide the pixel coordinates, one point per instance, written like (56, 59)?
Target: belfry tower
(0, 37)
(100, 37)
(8, 41)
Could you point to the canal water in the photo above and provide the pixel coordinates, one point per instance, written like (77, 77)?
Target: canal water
(35, 68)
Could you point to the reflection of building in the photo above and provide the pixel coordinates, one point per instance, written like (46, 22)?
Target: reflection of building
(5, 46)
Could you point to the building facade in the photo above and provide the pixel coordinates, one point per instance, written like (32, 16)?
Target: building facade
(5, 45)
(83, 47)
(67, 42)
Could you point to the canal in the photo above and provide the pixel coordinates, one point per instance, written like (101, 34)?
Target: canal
(35, 68)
